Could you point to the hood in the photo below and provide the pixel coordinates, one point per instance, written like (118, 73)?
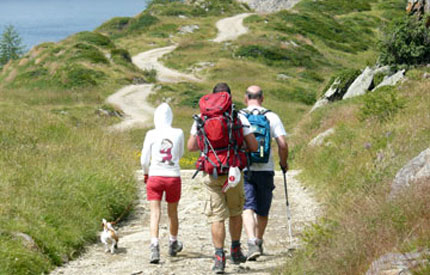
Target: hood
(163, 116)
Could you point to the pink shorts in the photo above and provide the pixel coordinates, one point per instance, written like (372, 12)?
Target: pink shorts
(157, 185)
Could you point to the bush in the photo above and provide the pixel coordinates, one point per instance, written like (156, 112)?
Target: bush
(406, 42)
(79, 76)
(381, 104)
(94, 38)
(115, 24)
(120, 56)
(83, 51)
(150, 75)
(143, 22)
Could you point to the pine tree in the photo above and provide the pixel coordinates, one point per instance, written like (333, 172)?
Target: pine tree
(10, 45)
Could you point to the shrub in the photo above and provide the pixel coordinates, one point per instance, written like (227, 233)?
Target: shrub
(83, 51)
(115, 24)
(120, 56)
(381, 104)
(406, 42)
(94, 38)
(79, 76)
(150, 75)
(143, 22)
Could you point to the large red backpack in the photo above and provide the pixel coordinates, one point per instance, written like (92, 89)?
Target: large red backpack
(219, 135)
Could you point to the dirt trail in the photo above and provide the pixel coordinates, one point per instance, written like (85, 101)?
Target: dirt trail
(231, 28)
(196, 258)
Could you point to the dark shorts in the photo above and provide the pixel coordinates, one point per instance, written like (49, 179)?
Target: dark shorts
(258, 191)
(156, 186)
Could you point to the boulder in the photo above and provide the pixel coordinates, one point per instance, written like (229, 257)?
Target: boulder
(416, 169)
(330, 95)
(397, 263)
(361, 84)
(392, 80)
(188, 29)
(319, 140)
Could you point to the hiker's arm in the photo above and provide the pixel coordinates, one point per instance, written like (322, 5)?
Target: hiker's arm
(146, 154)
(282, 151)
(192, 144)
(251, 143)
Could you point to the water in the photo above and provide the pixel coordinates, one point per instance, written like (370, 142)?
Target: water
(40, 21)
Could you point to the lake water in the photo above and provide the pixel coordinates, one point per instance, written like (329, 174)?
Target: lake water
(40, 21)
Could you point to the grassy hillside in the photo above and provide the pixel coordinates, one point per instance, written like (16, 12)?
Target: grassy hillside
(61, 171)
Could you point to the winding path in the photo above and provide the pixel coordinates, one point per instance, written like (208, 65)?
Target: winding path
(196, 258)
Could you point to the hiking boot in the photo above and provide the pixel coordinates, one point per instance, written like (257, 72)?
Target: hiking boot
(219, 265)
(154, 257)
(236, 255)
(175, 247)
(259, 243)
(253, 252)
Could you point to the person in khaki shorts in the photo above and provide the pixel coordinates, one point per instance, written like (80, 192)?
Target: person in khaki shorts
(221, 206)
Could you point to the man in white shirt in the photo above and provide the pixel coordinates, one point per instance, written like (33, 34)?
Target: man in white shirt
(229, 205)
(259, 186)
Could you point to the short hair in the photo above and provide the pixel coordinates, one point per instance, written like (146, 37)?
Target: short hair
(257, 95)
(221, 87)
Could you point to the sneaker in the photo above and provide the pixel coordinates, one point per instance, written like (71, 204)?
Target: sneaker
(236, 255)
(253, 252)
(154, 257)
(219, 265)
(175, 247)
(260, 246)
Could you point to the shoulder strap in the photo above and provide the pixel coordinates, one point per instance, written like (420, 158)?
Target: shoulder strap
(266, 111)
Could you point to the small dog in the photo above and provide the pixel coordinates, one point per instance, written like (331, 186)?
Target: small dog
(109, 236)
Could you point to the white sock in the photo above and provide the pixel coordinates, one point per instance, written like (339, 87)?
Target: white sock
(154, 241)
(252, 241)
(173, 238)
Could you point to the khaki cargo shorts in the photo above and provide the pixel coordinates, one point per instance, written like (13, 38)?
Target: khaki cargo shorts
(220, 206)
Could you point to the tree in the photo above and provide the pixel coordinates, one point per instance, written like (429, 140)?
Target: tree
(10, 45)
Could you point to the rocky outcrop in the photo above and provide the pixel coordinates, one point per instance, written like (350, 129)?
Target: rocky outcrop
(416, 169)
(269, 6)
(188, 29)
(319, 140)
(397, 264)
(392, 80)
(419, 8)
(330, 95)
(362, 84)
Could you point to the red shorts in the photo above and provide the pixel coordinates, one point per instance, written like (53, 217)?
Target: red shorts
(157, 185)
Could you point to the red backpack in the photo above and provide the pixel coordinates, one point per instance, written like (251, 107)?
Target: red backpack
(219, 135)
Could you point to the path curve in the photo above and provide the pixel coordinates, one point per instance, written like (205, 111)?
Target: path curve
(132, 99)
(196, 258)
(231, 28)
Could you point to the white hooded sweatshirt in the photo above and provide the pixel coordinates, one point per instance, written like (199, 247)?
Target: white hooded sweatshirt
(163, 146)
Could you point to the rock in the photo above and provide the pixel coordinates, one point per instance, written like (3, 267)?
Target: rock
(321, 102)
(268, 6)
(392, 80)
(397, 263)
(182, 16)
(318, 140)
(188, 29)
(417, 168)
(361, 84)
(27, 240)
(282, 77)
(426, 75)
(138, 80)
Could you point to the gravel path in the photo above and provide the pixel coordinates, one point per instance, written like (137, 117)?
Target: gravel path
(231, 28)
(196, 258)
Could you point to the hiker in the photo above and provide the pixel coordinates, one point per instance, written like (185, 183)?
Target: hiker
(222, 204)
(259, 178)
(162, 149)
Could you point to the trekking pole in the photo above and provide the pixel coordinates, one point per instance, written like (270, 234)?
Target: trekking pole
(288, 205)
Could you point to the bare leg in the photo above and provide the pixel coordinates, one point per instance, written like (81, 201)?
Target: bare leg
(235, 226)
(172, 210)
(250, 223)
(155, 218)
(218, 234)
(261, 226)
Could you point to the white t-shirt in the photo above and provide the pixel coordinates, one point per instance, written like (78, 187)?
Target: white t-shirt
(246, 126)
(276, 130)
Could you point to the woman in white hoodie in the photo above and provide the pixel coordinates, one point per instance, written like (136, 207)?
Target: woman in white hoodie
(162, 149)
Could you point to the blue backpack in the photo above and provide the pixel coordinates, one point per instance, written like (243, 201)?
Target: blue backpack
(260, 125)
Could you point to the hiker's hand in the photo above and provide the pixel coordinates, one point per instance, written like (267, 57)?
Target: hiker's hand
(284, 168)
(145, 178)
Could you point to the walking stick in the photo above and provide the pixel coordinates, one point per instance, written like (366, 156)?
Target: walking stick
(288, 206)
